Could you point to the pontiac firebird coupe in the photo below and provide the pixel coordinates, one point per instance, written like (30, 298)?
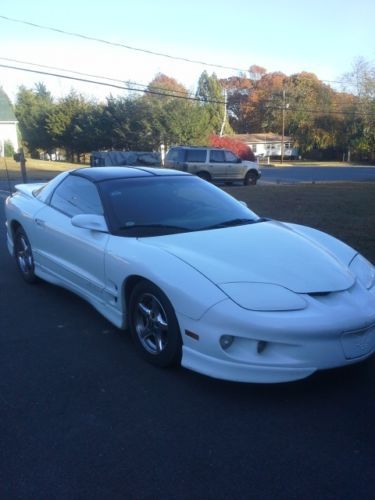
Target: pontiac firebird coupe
(196, 276)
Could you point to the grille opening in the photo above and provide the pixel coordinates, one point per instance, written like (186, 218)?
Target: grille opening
(319, 294)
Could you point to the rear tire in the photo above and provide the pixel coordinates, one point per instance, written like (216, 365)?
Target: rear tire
(24, 256)
(205, 176)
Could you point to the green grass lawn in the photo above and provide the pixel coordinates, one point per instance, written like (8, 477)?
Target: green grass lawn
(345, 210)
(35, 169)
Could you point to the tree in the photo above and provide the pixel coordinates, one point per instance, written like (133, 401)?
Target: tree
(238, 90)
(68, 124)
(165, 84)
(257, 72)
(254, 104)
(185, 123)
(242, 150)
(307, 120)
(361, 82)
(210, 92)
(176, 118)
(32, 109)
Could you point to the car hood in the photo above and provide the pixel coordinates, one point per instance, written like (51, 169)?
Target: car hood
(266, 252)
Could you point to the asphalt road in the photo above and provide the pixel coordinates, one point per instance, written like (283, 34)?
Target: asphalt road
(82, 417)
(317, 174)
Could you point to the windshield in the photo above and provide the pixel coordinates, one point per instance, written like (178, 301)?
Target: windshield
(162, 205)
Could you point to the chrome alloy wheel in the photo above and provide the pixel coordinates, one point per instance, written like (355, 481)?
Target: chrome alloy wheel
(24, 255)
(151, 325)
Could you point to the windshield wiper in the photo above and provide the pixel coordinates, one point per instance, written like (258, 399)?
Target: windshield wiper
(174, 229)
(233, 222)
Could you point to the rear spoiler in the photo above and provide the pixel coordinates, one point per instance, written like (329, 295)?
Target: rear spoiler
(28, 189)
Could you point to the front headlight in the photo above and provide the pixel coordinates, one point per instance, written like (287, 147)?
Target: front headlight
(263, 297)
(364, 271)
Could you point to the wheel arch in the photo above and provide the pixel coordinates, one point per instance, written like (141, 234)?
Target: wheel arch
(127, 287)
(205, 175)
(14, 225)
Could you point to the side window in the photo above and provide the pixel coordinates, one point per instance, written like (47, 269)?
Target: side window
(76, 195)
(172, 155)
(217, 156)
(230, 157)
(196, 155)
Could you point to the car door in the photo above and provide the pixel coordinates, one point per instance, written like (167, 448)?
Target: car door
(218, 165)
(234, 167)
(72, 254)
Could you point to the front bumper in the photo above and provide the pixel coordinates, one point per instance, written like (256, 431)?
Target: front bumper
(332, 331)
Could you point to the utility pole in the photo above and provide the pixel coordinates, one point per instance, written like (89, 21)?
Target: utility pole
(283, 129)
(23, 166)
(225, 113)
(20, 158)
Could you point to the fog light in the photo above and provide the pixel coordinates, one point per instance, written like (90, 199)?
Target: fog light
(226, 341)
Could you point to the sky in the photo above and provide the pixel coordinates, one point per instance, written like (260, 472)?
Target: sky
(324, 37)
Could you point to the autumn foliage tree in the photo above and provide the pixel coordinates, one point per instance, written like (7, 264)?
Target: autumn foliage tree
(237, 147)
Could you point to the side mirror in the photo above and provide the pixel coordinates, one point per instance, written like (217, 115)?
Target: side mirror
(92, 222)
(239, 160)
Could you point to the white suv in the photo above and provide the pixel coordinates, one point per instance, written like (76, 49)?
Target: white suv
(212, 164)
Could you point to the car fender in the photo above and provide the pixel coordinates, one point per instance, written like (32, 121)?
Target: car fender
(190, 293)
(21, 210)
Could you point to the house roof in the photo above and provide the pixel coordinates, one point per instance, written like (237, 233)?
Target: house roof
(6, 108)
(261, 138)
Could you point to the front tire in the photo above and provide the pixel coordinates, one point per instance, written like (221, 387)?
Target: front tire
(24, 256)
(250, 178)
(154, 326)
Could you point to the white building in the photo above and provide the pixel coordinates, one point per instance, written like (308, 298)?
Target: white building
(269, 145)
(8, 124)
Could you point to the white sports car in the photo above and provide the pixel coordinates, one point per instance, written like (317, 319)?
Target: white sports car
(196, 276)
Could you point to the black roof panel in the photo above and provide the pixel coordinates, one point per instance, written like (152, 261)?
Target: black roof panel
(97, 174)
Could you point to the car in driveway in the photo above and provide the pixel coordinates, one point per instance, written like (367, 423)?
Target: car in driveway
(212, 164)
(196, 276)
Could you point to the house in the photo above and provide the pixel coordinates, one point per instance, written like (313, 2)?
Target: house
(8, 124)
(269, 145)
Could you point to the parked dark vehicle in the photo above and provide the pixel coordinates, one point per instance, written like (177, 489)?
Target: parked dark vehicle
(124, 158)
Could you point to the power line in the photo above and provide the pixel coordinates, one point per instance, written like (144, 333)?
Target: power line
(89, 75)
(130, 47)
(323, 111)
(163, 93)
(120, 44)
(121, 87)
(155, 90)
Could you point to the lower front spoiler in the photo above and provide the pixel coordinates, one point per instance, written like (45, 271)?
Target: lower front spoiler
(241, 372)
